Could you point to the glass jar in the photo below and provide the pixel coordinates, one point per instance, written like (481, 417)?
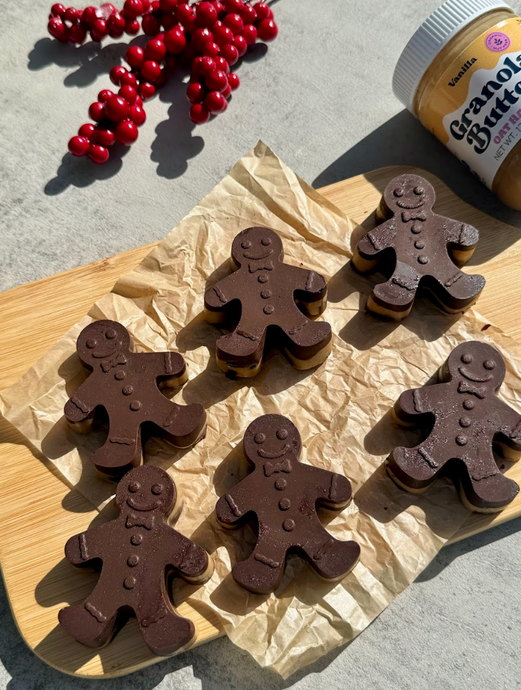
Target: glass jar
(460, 75)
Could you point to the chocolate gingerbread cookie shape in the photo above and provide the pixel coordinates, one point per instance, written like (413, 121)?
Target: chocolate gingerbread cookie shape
(464, 418)
(416, 248)
(264, 295)
(138, 553)
(127, 385)
(284, 494)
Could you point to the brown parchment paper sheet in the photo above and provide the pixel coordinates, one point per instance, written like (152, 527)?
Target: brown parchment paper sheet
(341, 409)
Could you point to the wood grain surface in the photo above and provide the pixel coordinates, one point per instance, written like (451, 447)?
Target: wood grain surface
(38, 512)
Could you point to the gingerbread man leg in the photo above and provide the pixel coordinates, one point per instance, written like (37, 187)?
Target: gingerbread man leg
(331, 558)
(242, 351)
(395, 297)
(414, 469)
(308, 345)
(97, 624)
(163, 630)
(456, 290)
(182, 425)
(121, 451)
(483, 480)
(262, 572)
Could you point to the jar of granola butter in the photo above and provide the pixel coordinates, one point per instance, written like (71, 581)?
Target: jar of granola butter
(460, 74)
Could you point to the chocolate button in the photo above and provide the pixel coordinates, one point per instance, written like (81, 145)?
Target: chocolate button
(120, 375)
(281, 484)
(461, 440)
(289, 525)
(266, 294)
(135, 405)
(130, 583)
(133, 560)
(285, 504)
(269, 309)
(468, 404)
(263, 278)
(416, 228)
(419, 244)
(136, 539)
(128, 390)
(423, 259)
(465, 422)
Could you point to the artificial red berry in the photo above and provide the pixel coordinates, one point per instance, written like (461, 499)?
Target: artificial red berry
(116, 108)
(104, 95)
(222, 35)
(139, 101)
(98, 154)
(168, 5)
(203, 66)
(195, 93)
(211, 49)
(219, 7)
(230, 54)
(57, 29)
(234, 81)
(97, 111)
(248, 14)
(221, 63)
(135, 56)
(58, 10)
(107, 9)
(151, 25)
(233, 6)
(217, 80)
(215, 102)
(89, 15)
(184, 14)
(129, 93)
(128, 79)
(227, 92)
(77, 34)
(132, 27)
(240, 43)
(170, 63)
(250, 33)
(116, 73)
(206, 14)
(150, 71)
(155, 50)
(126, 132)
(146, 6)
(154, 5)
(268, 30)
(201, 36)
(168, 21)
(72, 15)
(199, 114)
(146, 90)
(234, 22)
(79, 146)
(137, 115)
(133, 8)
(87, 130)
(104, 137)
(175, 41)
(116, 24)
(99, 30)
(263, 11)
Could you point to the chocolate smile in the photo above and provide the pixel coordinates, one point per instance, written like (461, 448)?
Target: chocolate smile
(274, 456)
(475, 379)
(101, 354)
(257, 258)
(143, 508)
(409, 206)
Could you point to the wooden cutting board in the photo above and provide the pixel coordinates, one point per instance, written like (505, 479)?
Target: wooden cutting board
(38, 512)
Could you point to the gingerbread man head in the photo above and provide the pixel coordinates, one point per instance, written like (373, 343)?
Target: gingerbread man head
(409, 194)
(101, 340)
(271, 439)
(478, 364)
(256, 245)
(146, 489)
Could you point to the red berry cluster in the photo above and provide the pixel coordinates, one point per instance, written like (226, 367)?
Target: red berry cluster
(209, 36)
(70, 24)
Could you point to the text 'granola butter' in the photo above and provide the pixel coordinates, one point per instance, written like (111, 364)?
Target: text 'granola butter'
(460, 74)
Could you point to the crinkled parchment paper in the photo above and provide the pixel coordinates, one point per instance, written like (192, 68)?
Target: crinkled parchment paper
(341, 408)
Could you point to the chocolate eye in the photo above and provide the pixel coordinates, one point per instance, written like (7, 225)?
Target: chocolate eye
(419, 191)
(133, 487)
(489, 364)
(157, 489)
(110, 334)
(266, 241)
(260, 438)
(282, 434)
(246, 244)
(91, 343)
(467, 359)
(398, 192)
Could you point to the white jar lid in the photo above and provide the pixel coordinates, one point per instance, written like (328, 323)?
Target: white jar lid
(431, 37)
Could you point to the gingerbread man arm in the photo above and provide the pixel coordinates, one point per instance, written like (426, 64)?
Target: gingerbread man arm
(333, 489)
(312, 284)
(83, 548)
(460, 234)
(221, 294)
(170, 364)
(188, 558)
(83, 402)
(233, 506)
(378, 239)
(510, 423)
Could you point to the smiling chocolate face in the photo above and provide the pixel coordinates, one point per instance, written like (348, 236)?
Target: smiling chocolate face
(102, 339)
(257, 245)
(478, 363)
(146, 489)
(271, 437)
(409, 193)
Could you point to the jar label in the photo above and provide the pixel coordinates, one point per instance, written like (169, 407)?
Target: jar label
(475, 110)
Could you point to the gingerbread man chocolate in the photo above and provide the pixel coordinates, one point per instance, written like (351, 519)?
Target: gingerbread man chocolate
(265, 295)
(464, 419)
(284, 494)
(138, 552)
(416, 248)
(127, 385)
